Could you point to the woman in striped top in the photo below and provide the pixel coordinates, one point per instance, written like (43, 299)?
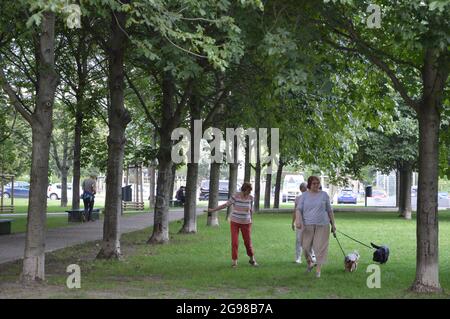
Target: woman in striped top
(241, 219)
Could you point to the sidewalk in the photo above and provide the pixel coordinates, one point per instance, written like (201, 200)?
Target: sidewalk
(12, 246)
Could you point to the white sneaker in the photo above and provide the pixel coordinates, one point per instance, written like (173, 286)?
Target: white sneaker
(298, 261)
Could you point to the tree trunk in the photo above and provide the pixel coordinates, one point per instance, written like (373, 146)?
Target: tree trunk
(257, 177)
(276, 201)
(427, 262)
(405, 191)
(41, 122)
(232, 183)
(152, 180)
(267, 192)
(160, 233)
(118, 119)
(77, 158)
(247, 166)
(64, 170)
(190, 206)
(64, 173)
(397, 188)
(214, 177)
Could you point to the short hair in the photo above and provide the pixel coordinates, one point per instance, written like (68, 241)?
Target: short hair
(246, 187)
(304, 184)
(311, 179)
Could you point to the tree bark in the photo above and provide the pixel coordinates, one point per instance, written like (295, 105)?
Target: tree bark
(152, 180)
(247, 166)
(160, 233)
(276, 201)
(257, 177)
(397, 188)
(118, 119)
(190, 206)
(233, 175)
(77, 158)
(405, 208)
(427, 262)
(41, 123)
(267, 190)
(64, 170)
(214, 177)
(164, 184)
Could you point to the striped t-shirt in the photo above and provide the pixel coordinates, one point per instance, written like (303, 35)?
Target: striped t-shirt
(241, 212)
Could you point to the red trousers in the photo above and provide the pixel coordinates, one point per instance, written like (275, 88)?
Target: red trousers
(246, 230)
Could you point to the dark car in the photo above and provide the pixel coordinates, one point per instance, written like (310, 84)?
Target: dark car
(347, 196)
(21, 190)
(223, 190)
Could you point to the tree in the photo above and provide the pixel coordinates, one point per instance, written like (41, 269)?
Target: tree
(40, 120)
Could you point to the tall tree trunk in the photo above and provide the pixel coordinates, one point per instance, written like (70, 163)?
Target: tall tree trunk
(427, 262)
(77, 158)
(160, 233)
(267, 191)
(152, 180)
(64, 173)
(247, 166)
(401, 201)
(190, 206)
(64, 170)
(118, 119)
(405, 191)
(41, 122)
(214, 177)
(276, 201)
(257, 176)
(233, 174)
(397, 188)
(165, 180)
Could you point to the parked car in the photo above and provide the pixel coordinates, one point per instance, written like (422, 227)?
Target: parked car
(443, 195)
(347, 196)
(21, 190)
(291, 187)
(223, 190)
(379, 194)
(54, 191)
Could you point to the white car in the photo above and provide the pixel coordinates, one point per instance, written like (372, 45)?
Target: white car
(54, 191)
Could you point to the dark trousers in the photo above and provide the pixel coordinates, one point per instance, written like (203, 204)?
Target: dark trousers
(88, 206)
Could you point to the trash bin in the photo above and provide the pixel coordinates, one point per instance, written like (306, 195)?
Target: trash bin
(127, 193)
(368, 191)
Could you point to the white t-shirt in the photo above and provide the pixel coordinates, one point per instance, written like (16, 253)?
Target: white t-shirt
(314, 208)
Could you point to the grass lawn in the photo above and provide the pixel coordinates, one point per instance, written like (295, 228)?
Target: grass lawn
(198, 266)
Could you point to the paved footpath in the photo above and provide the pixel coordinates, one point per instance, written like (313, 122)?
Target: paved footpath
(12, 246)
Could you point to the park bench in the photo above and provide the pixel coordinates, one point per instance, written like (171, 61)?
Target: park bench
(76, 215)
(132, 205)
(7, 209)
(5, 226)
(175, 203)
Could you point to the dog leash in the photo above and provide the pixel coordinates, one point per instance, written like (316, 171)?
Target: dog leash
(353, 239)
(343, 253)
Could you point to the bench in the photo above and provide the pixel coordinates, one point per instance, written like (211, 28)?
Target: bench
(76, 215)
(5, 226)
(132, 205)
(7, 209)
(175, 203)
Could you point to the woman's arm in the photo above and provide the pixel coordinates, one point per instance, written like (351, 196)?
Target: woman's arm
(218, 207)
(298, 218)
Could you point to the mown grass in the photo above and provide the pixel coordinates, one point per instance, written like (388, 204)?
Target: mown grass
(198, 266)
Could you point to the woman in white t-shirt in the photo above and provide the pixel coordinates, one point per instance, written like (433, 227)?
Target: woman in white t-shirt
(314, 216)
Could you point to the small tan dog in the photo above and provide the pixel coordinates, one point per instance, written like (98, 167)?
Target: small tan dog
(351, 261)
